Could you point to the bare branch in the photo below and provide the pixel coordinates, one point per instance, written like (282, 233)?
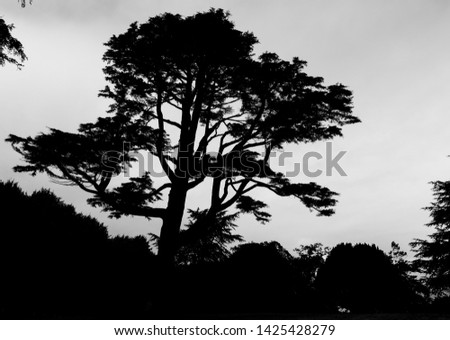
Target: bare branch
(160, 143)
(161, 188)
(238, 194)
(68, 175)
(263, 185)
(175, 106)
(196, 182)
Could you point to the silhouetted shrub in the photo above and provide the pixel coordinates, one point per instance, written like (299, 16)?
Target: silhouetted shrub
(263, 277)
(362, 279)
(57, 263)
(257, 279)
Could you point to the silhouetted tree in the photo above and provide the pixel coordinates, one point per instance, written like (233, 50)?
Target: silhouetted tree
(207, 243)
(310, 258)
(397, 256)
(362, 279)
(433, 254)
(409, 273)
(399, 260)
(11, 49)
(194, 78)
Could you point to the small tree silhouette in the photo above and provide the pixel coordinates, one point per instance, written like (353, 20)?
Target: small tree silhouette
(309, 259)
(207, 243)
(433, 254)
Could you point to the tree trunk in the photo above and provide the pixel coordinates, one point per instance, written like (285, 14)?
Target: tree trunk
(170, 230)
(166, 299)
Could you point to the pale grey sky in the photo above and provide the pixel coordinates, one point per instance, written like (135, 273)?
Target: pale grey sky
(394, 56)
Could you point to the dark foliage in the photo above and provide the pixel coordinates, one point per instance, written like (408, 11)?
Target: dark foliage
(256, 280)
(11, 49)
(210, 243)
(362, 279)
(433, 254)
(265, 275)
(309, 259)
(56, 263)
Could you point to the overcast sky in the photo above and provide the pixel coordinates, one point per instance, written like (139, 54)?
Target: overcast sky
(393, 55)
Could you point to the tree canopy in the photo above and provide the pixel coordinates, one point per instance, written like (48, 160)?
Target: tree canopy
(190, 92)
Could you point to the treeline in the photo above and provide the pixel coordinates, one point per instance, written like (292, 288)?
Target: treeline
(57, 263)
(265, 279)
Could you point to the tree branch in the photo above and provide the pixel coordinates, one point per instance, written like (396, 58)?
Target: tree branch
(160, 144)
(238, 194)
